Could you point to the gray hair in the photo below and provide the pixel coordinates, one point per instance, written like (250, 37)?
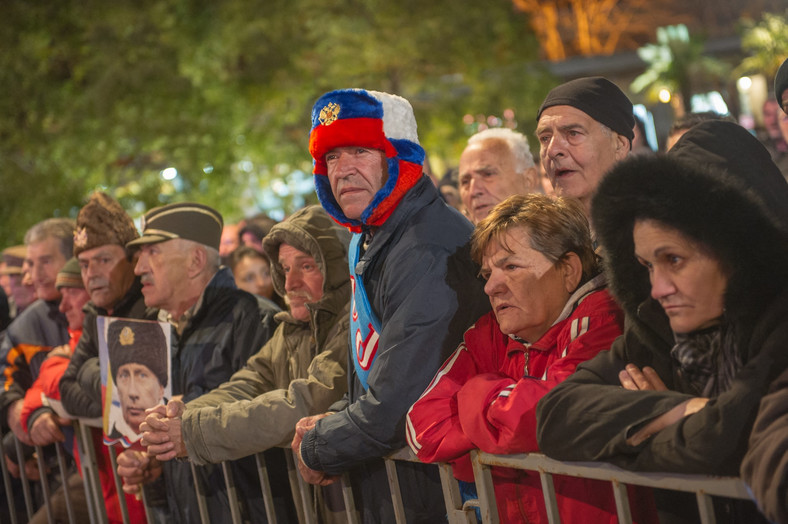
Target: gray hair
(61, 229)
(518, 145)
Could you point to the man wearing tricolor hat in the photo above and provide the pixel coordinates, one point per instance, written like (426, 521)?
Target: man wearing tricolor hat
(415, 291)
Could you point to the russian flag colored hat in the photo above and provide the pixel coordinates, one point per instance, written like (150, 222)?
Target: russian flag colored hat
(356, 117)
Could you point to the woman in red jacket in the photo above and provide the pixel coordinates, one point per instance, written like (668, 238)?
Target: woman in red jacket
(550, 312)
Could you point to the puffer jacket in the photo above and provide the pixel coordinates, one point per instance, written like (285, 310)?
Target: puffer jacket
(735, 206)
(300, 371)
(25, 345)
(423, 287)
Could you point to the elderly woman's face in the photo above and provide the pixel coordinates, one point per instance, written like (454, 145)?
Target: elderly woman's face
(527, 291)
(687, 283)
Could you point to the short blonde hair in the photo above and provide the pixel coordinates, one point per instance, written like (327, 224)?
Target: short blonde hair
(556, 226)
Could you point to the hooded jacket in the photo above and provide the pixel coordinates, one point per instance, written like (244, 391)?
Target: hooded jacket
(299, 372)
(733, 207)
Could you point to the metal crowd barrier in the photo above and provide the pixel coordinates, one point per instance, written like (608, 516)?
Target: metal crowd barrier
(704, 487)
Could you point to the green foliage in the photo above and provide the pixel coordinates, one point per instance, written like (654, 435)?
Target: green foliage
(766, 41)
(106, 95)
(677, 62)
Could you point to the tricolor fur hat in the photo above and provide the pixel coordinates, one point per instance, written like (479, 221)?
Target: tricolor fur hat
(356, 117)
(102, 221)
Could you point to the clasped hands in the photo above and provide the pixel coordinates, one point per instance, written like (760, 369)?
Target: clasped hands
(309, 475)
(635, 379)
(161, 433)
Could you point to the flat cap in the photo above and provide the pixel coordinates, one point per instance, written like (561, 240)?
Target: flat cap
(187, 220)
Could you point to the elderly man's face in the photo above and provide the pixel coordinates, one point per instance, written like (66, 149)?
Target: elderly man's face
(71, 305)
(527, 291)
(45, 260)
(355, 174)
(489, 175)
(106, 273)
(577, 151)
(138, 390)
(162, 268)
(303, 280)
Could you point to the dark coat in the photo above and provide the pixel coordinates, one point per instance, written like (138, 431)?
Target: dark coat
(227, 328)
(733, 213)
(423, 287)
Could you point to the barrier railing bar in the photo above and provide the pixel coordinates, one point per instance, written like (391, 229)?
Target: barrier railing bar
(550, 500)
(705, 508)
(304, 490)
(451, 496)
(232, 493)
(9, 492)
(349, 499)
(265, 487)
(61, 462)
(113, 460)
(199, 489)
(43, 478)
(484, 489)
(396, 493)
(23, 477)
(89, 465)
(731, 487)
(301, 500)
(621, 496)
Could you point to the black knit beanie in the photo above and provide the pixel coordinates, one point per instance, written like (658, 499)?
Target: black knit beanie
(597, 97)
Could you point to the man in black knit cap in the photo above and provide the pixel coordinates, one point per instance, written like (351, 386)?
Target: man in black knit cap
(584, 127)
(781, 86)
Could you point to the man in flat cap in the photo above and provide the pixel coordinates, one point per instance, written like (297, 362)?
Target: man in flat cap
(41, 326)
(301, 371)
(139, 369)
(215, 329)
(415, 291)
(584, 127)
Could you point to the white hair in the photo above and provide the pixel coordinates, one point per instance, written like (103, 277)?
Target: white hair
(518, 145)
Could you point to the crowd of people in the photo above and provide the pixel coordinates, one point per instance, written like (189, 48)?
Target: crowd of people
(631, 312)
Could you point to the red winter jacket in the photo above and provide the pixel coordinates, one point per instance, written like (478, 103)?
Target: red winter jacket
(46, 385)
(485, 397)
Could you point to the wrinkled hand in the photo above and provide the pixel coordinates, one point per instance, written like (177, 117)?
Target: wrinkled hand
(137, 468)
(309, 475)
(686, 408)
(15, 422)
(162, 433)
(46, 429)
(634, 379)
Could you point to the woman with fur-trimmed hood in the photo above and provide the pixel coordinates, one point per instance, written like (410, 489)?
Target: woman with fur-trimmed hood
(696, 248)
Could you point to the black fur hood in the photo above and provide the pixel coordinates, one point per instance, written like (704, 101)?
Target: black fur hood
(719, 187)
